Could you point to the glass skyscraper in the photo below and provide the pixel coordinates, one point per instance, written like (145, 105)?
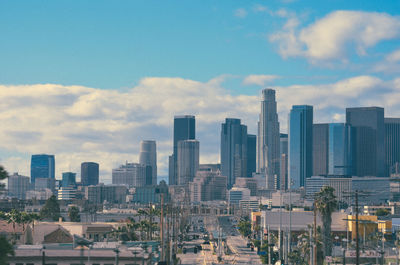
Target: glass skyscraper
(89, 173)
(188, 161)
(148, 157)
(320, 149)
(340, 149)
(300, 145)
(184, 129)
(233, 150)
(68, 179)
(42, 166)
(369, 146)
(251, 154)
(392, 145)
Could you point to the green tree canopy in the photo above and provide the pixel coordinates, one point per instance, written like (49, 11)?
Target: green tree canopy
(382, 212)
(51, 210)
(244, 228)
(6, 249)
(73, 214)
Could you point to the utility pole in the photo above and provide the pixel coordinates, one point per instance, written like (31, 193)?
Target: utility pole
(162, 227)
(315, 234)
(357, 239)
(290, 217)
(268, 246)
(311, 246)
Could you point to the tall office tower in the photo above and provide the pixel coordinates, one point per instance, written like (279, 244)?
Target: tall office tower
(130, 174)
(251, 155)
(320, 149)
(89, 173)
(340, 149)
(148, 157)
(42, 166)
(392, 145)
(369, 146)
(18, 186)
(300, 145)
(68, 179)
(233, 150)
(268, 156)
(283, 177)
(184, 129)
(188, 161)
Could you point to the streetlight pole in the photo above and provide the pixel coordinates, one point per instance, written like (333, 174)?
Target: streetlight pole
(116, 250)
(43, 255)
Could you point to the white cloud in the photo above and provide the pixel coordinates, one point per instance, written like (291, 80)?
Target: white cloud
(260, 80)
(240, 13)
(390, 64)
(79, 124)
(332, 37)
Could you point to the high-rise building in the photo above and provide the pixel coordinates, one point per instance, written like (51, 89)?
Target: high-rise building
(251, 155)
(233, 150)
(320, 149)
(188, 161)
(300, 145)
(283, 179)
(97, 194)
(268, 154)
(392, 145)
(340, 154)
(68, 179)
(130, 174)
(184, 129)
(89, 173)
(208, 186)
(369, 147)
(42, 166)
(18, 185)
(148, 157)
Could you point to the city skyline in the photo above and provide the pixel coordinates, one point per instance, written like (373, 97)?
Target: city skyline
(95, 91)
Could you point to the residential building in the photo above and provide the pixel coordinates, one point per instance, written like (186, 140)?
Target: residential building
(42, 166)
(148, 157)
(233, 150)
(300, 161)
(184, 129)
(268, 143)
(130, 174)
(188, 161)
(369, 146)
(89, 173)
(18, 185)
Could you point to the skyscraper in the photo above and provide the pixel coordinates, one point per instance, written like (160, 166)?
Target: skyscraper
(188, 161)
(369, 148)
(233, 150)
(300, 145)
(251, 154)
(68, 179)
(340, 154)
(18, 185)
(89, 173)
(184, 129)
(320, 149)
(42, 166)
(283, 177)
(130, 174)
(148, 157)
(268, 155)
(392, 145)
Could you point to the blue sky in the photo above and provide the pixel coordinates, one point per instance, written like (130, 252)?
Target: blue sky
(94, 55)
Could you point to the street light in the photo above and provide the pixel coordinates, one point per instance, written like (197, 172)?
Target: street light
(116, 250)
(43, 255)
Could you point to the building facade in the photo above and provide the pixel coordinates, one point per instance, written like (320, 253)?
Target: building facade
(251, 154)
(184, 129)
(131, 174)
(369, 146)
(320, 149)
(18, 185)
(68, 179)
(188, 161)
(268, 143)
(148, 157)
(392, 145)
(233, 150)
(208, 186)
(300, 160)
(110, 193)
(89, 173)
(340, 155)
(283, 172)
(42, 166)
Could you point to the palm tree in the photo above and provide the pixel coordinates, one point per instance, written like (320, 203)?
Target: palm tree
(149, 213)
(14, 217)
(326, 204)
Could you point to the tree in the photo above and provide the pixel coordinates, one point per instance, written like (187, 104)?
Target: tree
(244, 228)
(5, 249)
(73, 214)
(51, 210)
(382, 212)
(326, 204)
(3, 176)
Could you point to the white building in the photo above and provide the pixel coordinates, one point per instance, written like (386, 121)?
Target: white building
(130, 174)
(237, 194)
(66, 193)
